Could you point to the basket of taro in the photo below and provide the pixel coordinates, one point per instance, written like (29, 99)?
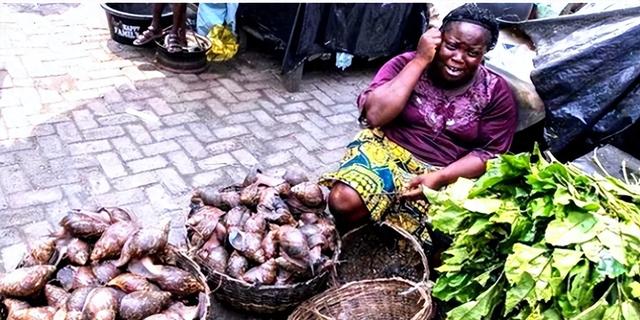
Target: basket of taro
(384, 275)
(265, 245)
(103, 265)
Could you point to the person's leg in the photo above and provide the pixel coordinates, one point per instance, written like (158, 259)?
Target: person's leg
(157, 14)
(346, 206)
(155, 29)
(179, 22)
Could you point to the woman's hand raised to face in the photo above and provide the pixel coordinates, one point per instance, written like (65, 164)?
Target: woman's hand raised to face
(428, 45)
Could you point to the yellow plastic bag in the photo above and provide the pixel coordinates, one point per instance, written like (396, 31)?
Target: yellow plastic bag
(223, 44)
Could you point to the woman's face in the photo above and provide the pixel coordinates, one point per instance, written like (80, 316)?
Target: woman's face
(461, 51)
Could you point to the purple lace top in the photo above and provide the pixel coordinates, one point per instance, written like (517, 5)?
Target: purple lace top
(438, 128)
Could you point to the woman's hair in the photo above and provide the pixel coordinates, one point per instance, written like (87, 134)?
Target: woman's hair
(470, 12)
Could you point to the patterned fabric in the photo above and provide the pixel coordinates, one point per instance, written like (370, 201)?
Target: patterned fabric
(377, 168)
(440, 126)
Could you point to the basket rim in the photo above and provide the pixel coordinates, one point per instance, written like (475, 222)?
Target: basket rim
(416, 244)
(423, 288)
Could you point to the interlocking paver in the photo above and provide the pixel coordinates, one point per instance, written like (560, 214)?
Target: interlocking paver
(96, 128)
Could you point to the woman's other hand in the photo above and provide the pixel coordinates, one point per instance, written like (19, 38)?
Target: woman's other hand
(432, 180)
(428, 46)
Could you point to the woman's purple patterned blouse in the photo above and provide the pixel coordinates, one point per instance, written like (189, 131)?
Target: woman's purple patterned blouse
(439, 128)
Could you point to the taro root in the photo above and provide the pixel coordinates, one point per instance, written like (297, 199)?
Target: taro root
(71, 277)
(262, 274)
(129, 282)
(237, 265)
(309, 194)
(40, 253)
(105, 271)
(56, 296)
(168, 278)
(144, 242)
(101, 304)
(249, 244)
(24, 282)
(112, 240)
(78, 252)
(141, 304)
(295, 176)
(39, 313)
(222, 200)
(83, 224)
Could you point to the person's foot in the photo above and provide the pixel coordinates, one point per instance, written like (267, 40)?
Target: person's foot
(147, 36)
(172, 43)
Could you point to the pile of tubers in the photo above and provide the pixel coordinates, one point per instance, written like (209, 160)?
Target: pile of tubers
(102, 265)
(268, 231)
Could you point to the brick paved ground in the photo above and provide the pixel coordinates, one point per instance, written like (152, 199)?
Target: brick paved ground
(87, 122)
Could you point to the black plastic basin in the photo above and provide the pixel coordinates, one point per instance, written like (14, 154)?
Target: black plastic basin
(128, 20)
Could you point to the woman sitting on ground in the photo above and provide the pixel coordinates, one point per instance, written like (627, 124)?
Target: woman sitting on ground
(433, 115)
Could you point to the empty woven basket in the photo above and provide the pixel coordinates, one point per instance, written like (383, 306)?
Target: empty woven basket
(377, 299)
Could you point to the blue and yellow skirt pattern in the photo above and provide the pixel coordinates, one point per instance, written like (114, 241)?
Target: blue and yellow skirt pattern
(378, 169)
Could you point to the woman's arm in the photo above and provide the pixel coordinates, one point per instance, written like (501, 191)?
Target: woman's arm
(469, 166)
(385, 102)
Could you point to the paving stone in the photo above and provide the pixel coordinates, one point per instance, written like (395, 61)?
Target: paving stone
(317, 119)
(159, 106)
(248, 95)
(146, 164)
(20, 216)
(308, 142)
(182, 162)
(159, 148)
(160, 200)
(223, 146)
(245, 158)
(34, 197)
(308, 159)
(134, 181)
(37, 230)
(172, 181)
(97, 182)
(193, 147)
(224, 95)
(111, 164)
(236, 173)
(322, 97)
(139, 134)
(13, 179)
(282, 144)
(230, 131)
(119, 198)
(103, 133)
(264, 118)
(210, 178)
(215, 162)
(9, 236)
(179, 118)
(89, 147)
(118, 119)
(201, 132)
(126, 148)
(230, 85)
(342, 118)
(330, 157)
(277, 159)
(319, 108)
(285, 130)
(12, 255)
(3, 201)
(291, 118)
(170, 133)
(237, 118)
(68, 132)
(84, 119)
(274, 96)
(194, 95)
(52, 178)
(339, 142)
(73, 162)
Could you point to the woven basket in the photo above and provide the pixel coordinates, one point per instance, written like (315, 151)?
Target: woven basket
(382, 299)
(386, 230)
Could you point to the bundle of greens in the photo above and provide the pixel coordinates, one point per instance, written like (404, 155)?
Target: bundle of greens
(538, 239)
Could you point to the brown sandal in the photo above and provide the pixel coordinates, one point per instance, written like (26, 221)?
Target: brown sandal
(172, 43)
(147, 36)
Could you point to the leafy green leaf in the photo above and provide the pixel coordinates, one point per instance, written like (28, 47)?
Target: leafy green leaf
(630, 310)
(578, 227)
(482, 205)
(564, 260)
(519, 292)
(596, 311)
(634, 289)
(480, 308)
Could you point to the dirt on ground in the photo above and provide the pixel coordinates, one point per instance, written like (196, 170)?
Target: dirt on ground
(378, 252)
